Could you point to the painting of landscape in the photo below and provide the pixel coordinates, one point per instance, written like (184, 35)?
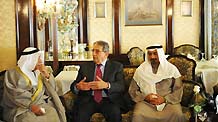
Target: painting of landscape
(143, 12)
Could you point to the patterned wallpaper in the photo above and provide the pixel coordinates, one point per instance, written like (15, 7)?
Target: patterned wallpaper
(100, 28)
(186, 29)
(141, 36)
(7, 34)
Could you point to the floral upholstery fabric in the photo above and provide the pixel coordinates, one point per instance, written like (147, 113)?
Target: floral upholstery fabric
(128, 75)
(186, 49)
(185, 66)
(136, 56)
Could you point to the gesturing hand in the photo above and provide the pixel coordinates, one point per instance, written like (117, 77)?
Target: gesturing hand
(82, 85)
(98, 84)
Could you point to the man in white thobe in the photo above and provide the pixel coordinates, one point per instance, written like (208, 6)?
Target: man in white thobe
(157, 89)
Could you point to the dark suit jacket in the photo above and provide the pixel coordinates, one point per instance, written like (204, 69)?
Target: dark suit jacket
(113, 73)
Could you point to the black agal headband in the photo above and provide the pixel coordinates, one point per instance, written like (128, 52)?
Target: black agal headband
(30, 52)
(154, 47)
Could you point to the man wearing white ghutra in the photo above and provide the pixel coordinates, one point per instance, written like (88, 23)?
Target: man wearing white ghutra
(29, 91)
(157, 89)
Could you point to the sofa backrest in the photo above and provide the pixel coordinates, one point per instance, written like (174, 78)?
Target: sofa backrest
(128, 75)
(186, 49)
(136, 56)
(185, 66)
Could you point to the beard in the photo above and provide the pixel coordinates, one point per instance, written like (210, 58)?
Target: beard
(154, 61)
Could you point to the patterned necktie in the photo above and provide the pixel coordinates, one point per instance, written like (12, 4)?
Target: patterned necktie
(98, 93)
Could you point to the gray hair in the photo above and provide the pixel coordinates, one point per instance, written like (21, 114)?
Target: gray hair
(104, 44)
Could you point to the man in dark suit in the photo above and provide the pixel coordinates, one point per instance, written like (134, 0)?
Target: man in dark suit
(99, 86)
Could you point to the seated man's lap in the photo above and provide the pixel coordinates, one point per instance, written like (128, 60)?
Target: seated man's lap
(149, 110)
(84, 111)
(50, 115)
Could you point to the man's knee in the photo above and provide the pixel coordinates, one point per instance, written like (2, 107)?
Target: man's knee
(114, 115)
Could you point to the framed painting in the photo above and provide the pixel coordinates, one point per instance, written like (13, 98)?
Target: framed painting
(143, 12)
(100, 10)
(186, 8)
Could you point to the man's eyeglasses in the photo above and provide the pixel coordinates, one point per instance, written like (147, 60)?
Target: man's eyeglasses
(96, 50)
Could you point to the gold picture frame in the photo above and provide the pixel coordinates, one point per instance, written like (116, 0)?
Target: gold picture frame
(186, 8)
(143, 12)
(100, 10)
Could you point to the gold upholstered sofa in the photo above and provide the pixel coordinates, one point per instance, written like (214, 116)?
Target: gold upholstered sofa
(187, 69)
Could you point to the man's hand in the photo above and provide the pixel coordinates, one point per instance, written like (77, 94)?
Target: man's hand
(99, 84)
(82, 85)
(42, 68)
(37, 110)
(154, 99)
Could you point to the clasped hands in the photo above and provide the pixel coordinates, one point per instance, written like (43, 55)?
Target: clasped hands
(93, 85)
(154, 99)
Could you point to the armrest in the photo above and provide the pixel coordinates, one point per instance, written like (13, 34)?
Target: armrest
(68, 100)
(188, 92)
(194, 83)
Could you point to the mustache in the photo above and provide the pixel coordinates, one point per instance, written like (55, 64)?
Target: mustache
(153, 59)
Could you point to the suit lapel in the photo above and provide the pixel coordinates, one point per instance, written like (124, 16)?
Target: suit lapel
(106, 69)
(92, 71)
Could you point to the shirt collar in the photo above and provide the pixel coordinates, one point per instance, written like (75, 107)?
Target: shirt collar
(104, 63)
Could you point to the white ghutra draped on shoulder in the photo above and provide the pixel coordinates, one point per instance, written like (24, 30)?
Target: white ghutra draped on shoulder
(146, 79)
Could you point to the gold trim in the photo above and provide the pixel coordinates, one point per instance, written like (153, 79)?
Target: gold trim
(39, 88)
(24, 76)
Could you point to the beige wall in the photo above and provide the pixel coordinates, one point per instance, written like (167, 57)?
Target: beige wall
(100, 28)
(186, 29)
(141, 36)
(7, 35)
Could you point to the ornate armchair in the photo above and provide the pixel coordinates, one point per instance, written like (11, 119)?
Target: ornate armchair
(136, 56)
(186, 67)
(186, 49)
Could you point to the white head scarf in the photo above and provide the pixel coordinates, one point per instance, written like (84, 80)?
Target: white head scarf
(146, 79)
(28, 61)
